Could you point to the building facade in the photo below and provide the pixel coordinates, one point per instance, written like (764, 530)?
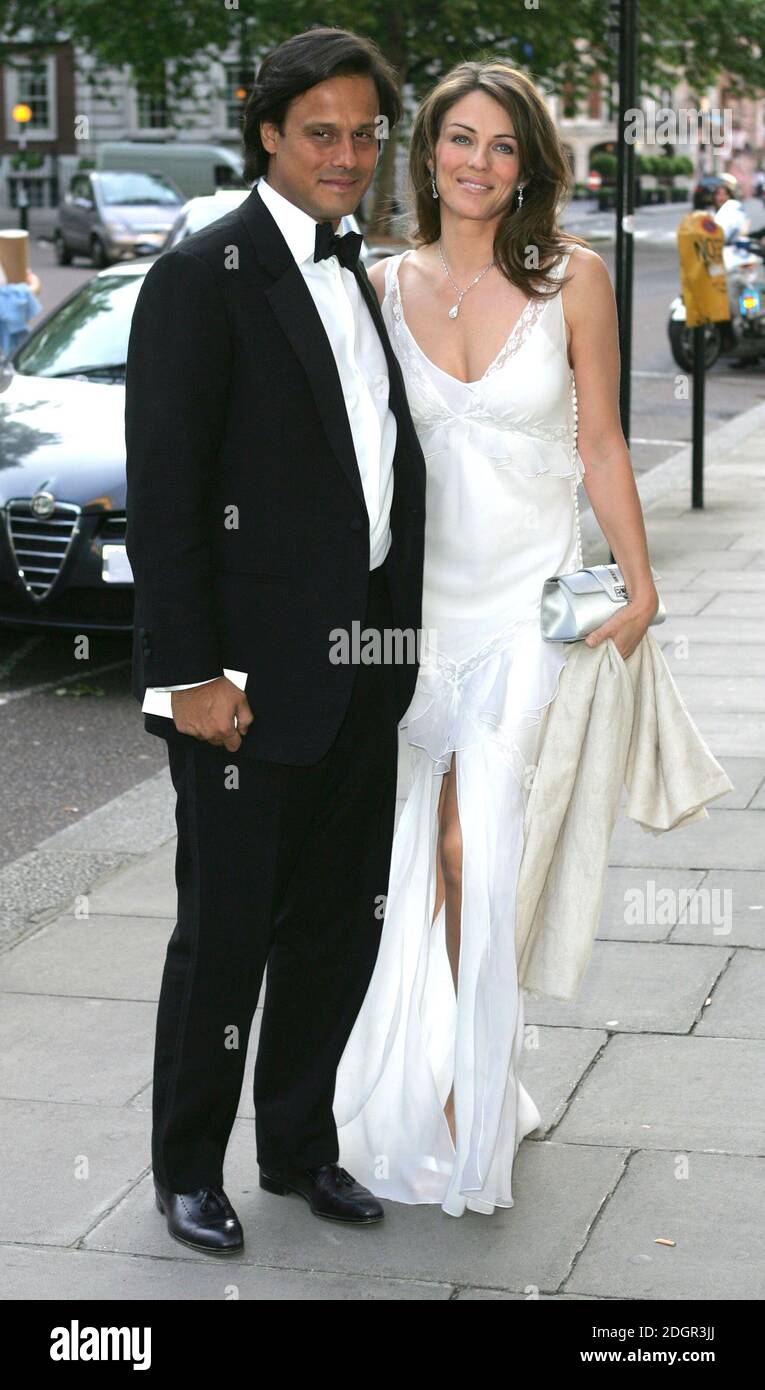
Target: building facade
(72, 115)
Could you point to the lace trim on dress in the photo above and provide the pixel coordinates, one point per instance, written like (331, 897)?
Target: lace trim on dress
(500, 695)
(454, 670)
(407, 341)
(529, 315)
(518, 334)
(529, 450)
(528, 318)
(512, 445)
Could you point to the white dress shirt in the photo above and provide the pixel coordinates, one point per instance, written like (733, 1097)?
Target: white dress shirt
(363, 372)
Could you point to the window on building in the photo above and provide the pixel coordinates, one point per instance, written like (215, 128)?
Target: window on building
(568, 101)
(595, 96)
(239, 83)
(33, 87)
(151, 108)
(31, 79)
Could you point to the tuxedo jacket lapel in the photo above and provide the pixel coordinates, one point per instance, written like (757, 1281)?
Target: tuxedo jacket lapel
(291, 301)
(296, 312)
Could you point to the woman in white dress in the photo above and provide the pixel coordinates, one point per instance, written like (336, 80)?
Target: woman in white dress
(494, 352)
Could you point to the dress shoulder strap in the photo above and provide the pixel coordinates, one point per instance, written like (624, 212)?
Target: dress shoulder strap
(391, 272)
(392, 286)
(561, 265)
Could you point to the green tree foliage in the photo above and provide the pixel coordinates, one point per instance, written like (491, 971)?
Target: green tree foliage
(168, 43)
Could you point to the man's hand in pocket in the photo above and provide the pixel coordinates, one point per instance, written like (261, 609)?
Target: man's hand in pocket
(209, 712)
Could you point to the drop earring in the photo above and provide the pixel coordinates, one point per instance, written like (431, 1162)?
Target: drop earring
(433, 186)
(520, 195)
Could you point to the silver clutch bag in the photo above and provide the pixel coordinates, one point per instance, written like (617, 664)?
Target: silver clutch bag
(574, 604)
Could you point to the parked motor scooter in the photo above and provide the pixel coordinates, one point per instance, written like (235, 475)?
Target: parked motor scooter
(743, 336)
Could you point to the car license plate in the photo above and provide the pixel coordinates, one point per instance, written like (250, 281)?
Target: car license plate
(115, 565)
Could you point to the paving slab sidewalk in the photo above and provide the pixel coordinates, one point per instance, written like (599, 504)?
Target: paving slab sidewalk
(651, 1085)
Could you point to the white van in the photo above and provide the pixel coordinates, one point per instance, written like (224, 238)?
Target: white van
(194, 169)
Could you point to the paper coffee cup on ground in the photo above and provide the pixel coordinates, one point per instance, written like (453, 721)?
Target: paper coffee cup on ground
(14, 255)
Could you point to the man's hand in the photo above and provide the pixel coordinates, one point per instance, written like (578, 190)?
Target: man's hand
(217, 712)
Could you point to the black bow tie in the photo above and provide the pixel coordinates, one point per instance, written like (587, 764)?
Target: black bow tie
(346, 247)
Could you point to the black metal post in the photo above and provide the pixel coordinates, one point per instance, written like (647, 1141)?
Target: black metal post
(22, 196)
(623, 37)
(625, 203)
(699, 378)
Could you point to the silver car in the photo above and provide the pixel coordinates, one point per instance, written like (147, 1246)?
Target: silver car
(112, 213)
(202, 211)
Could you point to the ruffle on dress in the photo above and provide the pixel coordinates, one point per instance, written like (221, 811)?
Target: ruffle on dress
(530, 447)
(530, 450)
(501, 689)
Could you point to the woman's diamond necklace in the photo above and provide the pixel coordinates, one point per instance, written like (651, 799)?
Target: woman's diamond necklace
(453, 312)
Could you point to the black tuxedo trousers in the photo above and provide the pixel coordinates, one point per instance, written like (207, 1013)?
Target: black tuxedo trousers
(285, 872)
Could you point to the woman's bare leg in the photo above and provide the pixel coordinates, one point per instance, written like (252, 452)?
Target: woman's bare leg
(449, 887)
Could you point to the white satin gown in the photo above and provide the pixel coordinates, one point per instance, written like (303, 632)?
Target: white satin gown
(502, 473)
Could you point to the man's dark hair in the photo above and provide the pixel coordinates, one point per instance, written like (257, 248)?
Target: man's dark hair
(298, 64)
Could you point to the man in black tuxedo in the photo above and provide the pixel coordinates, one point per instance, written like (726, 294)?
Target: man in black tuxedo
(276, 499)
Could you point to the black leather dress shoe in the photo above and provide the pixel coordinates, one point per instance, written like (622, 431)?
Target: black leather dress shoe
(330, 1191)
(204, 1219)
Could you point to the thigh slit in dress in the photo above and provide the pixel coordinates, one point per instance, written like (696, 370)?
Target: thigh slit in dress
(502, 473)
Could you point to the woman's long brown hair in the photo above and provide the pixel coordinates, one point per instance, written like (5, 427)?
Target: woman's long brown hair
(545, 172)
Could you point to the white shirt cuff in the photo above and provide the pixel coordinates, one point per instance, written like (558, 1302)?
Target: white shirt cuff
(158, 700)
